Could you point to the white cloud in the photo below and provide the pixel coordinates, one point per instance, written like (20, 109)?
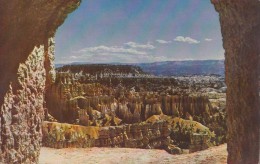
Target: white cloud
(186, 40)
(112, 49)
(208, 39)
(163, 41)
(73, 57)
(128, 52)
(137, 45)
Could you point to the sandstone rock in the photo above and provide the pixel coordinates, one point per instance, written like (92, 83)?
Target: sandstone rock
(199, 142)
(240, 30)
(144, 135)
(26, 56)
(173, 149)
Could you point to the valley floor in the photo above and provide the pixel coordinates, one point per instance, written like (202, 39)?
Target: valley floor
(214, 155)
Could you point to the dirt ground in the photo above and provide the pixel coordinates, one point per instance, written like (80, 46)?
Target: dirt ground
(214, 155)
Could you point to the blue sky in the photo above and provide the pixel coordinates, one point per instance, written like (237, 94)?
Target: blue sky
(130, 31)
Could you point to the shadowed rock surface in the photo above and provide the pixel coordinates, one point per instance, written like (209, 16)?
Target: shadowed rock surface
(26, 55)
(240, 23)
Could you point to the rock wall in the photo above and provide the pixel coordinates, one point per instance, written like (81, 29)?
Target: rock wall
(145, 135)
(240, 23)
(159, 131)
(182, 106)
(20, 128)
(26, 27)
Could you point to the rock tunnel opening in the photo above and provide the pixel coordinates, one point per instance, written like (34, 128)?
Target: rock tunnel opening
(23, 66)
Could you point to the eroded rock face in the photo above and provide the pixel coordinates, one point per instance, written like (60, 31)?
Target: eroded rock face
(25, 61)
(159, 131)
(21, 129)
(67, 98)
(144, 135)
(240, 23)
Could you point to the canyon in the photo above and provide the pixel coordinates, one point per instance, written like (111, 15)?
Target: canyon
(122, 106)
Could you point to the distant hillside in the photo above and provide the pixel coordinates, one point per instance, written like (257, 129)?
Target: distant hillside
(190, 67)
(101, 68)
(167, 68)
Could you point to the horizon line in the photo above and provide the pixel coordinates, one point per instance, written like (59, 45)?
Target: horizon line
(83, 62)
